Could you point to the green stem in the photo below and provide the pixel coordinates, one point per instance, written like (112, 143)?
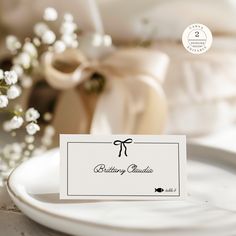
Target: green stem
(16, 113)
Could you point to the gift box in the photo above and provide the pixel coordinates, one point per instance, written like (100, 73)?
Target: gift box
(130, 99)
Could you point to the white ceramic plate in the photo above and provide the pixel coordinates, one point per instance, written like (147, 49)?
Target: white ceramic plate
(210, 208)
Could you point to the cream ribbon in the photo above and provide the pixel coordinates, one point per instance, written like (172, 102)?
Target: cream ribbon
(132, 102)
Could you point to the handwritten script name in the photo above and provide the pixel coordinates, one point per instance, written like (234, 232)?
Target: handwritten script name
(133, 168)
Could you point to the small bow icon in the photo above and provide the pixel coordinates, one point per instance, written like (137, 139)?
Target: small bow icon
(123, 144)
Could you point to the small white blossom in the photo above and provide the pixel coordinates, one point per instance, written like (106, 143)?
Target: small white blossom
(68, 28)
(18, 69)
(48, 37)
(59, 46)
(23, 59)
(70, 40)
(13, 92)
(30, 49)
(68, 17)
(36, 42)
(10, 77)
(3, 101)
(29, 139)
(1, 74)
(32, 128)
(26, 81)
(40, 28)
(12, 151)
(31, 114)
(50, 14)
(12, 43)
(46, 141)
(49, 131)
(16, 122)
(47, 116)
(7, 126)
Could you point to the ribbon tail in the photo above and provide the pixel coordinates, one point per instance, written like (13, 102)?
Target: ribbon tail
(112, 114)
(125, 150)
(120, 150)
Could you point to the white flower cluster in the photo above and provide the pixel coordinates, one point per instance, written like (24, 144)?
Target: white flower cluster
(31, 116)
(26, 57)
(12, 43)
(68, 38)
(27, 54)
(68, 32)
(14, 123)
(13, 151)
(46, 140)
(50, 14)
(8, 87)
(44, 33)
(12, 154)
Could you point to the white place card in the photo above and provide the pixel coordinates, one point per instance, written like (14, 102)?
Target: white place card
(125, 167)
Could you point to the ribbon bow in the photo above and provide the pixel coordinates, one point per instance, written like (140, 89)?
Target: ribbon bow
(123, 144)
(132, 101)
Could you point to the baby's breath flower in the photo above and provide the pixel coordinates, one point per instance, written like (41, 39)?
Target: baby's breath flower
(18, 69)
(49, 131)
(46, 141)
(13, 92)
(47, 138)
(23, 59)
(68, 17)
(68, 28)
(29, 139)
(6, 126)
(70, 40)
(3, 101)
(12, 43)
(48, 37)
(12, 151)
(36, 42)
(30, 49)
(50, 14)
(31, 115)
(59, 46)
(47, 116)
(40, 28)
(16, 122)
(32, 128)
(10, 77)
(26, 81)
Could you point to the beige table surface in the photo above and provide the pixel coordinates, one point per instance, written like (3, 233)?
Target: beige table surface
(14, 223)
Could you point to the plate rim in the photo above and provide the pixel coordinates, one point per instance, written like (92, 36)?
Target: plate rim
(101, 225)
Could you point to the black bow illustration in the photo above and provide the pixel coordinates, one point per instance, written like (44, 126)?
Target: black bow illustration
(122, 144)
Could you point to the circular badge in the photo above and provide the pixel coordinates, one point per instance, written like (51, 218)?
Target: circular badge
(197, 38)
